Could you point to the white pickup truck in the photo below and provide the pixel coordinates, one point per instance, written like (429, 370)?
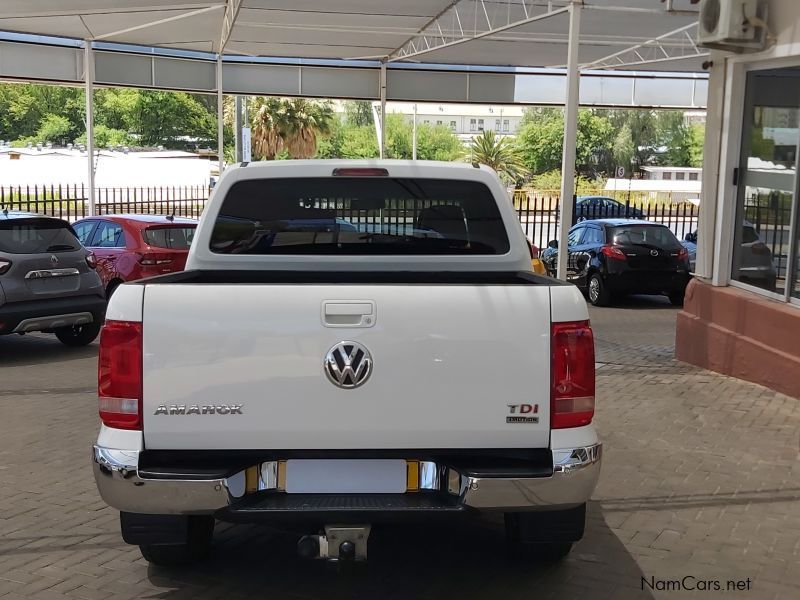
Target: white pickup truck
(352, 342)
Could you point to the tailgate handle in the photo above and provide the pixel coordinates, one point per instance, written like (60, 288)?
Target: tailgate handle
(345, 313)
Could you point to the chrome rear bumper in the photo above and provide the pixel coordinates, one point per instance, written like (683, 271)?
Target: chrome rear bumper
(574, 477)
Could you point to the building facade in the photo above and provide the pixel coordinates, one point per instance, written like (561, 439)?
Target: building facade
(742, 312)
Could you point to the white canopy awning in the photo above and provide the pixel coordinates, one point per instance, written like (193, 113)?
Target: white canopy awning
(642, 34)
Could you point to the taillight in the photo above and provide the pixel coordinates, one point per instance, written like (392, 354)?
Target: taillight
(5, 265)
(91, 260)
(572, 390)
(613, 253)
(683, 254)
(119, 375)
(149, 260)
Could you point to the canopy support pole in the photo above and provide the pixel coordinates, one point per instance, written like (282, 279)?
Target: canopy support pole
(414, 143)
(88, 76)
(220, 124)
(570, 138)
(237, 126)
(383, 111)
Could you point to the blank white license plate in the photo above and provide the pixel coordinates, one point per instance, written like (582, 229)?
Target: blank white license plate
(346, 476)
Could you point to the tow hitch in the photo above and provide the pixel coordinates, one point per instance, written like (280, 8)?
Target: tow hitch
(338, 543)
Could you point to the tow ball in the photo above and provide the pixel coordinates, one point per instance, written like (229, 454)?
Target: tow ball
(338, 543)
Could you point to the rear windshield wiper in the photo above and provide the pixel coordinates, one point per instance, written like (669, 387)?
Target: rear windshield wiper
(57, 247)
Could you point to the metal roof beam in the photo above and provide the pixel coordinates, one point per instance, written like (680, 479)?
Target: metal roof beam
(228, 21)
(186, 15)
(132, 7)
(451, 27)
(673, 45)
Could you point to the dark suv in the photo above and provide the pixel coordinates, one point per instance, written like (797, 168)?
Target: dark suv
(614, 257)
(48, 280)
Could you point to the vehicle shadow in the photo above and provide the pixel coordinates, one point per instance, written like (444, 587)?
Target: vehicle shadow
(641, 302)
(39, 348)
(455, 560)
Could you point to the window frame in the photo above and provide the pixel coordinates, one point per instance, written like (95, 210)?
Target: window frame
(105, 223)
(92, 223)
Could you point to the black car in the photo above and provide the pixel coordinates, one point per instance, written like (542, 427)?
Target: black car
(613, 257)
(601, 207)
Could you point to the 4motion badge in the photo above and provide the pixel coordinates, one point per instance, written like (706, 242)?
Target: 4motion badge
(197, 409)
(523, 413)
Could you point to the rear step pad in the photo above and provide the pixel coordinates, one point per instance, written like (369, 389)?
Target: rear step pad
(319, 503)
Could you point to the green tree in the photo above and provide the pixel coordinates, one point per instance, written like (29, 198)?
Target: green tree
(697, 140)
(23, 108)
(54, 128)
(541, 140)
(162, 118)
(358, 112)
(107, 137)
(499, 153)
(437, 142)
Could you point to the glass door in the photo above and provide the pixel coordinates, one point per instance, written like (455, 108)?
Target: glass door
(763, 237)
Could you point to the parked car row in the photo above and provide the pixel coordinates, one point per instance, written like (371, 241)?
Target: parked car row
(608, 258)
(755, 260)
(56, 277)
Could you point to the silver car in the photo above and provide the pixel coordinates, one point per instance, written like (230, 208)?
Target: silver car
(48, 280)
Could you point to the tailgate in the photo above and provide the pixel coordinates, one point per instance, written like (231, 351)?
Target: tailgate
(447, 361)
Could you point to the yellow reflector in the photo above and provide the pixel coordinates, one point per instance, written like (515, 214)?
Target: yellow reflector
(412, 475)
(251, 479)
(281, 475)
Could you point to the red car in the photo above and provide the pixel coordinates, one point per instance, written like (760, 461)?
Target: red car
(130, 247)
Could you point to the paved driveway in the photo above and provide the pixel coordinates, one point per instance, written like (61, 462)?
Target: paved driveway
(701, 482)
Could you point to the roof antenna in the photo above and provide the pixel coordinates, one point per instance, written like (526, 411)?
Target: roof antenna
(171, 217)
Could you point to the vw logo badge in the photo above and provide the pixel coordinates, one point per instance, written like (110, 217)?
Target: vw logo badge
(653, 252)
(348, 365)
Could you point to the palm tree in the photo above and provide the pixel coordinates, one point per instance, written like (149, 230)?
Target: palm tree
(498, 153)
(306, 122)
(268, 125)
(291, 124)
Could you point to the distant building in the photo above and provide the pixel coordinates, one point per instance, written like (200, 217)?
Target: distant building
(672, 174)
(465, 120)
(677, 184)
(53, 166)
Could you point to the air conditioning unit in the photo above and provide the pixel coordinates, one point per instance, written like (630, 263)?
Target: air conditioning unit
(732, 25)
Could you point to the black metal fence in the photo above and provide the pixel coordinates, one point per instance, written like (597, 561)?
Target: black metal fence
(770, 213)
(539, 214)
(70, 202)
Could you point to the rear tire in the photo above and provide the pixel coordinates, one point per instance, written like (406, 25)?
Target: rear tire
(545, 536)
(599, 294)
(78, 335)
(197, 546)
(676, 298)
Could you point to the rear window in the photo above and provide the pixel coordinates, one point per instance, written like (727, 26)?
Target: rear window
(644, 235)
(359, 216)
(36, 235)
(176, 238)
(749, 235)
